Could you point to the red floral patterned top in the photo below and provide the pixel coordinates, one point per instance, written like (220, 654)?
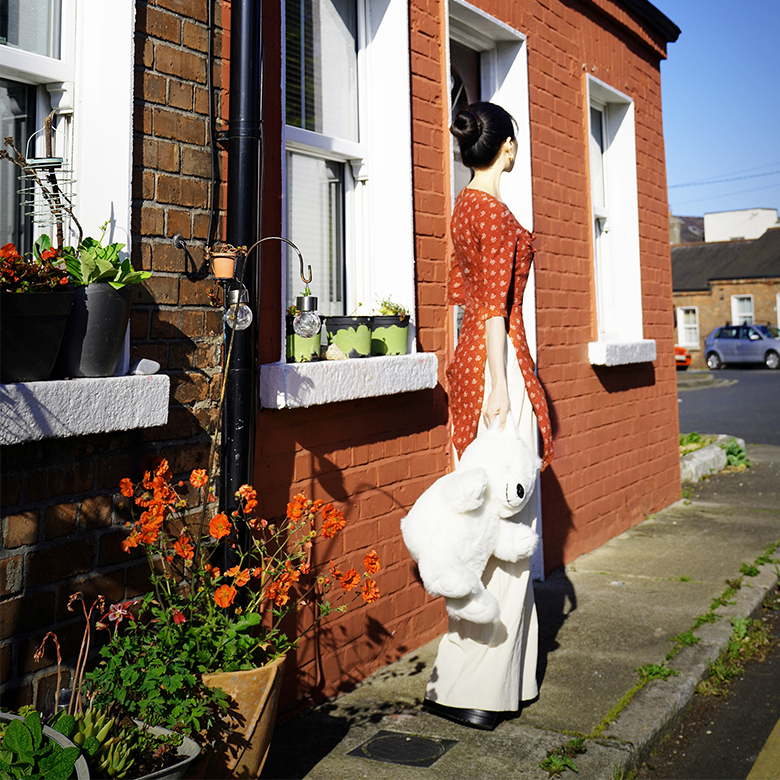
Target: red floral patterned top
(493, 256)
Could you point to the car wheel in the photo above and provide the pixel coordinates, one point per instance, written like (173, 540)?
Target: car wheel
(713, 361)
(772, 360)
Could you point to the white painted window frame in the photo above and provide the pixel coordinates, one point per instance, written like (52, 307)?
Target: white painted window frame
(777, 309)
(379, 221)
(735, 316)
(617, 265)
(682, 340)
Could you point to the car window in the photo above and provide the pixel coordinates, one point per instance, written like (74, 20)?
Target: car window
(727, 333)
(753, 334)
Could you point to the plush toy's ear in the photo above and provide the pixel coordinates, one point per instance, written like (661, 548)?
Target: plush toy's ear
(464, 489)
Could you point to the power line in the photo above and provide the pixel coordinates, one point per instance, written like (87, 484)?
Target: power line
(722, 181)
(726, 195)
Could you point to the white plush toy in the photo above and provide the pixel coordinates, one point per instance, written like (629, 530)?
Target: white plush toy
(469, 515)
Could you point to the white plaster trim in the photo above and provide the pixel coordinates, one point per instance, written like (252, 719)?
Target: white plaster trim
(293, 385)
(30, 411)
(618, 353)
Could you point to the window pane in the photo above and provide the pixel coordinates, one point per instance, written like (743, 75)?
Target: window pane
(17, 103)
(316, 226)
(597, 157)
(321, 67)
(742, 309)
(31, 25)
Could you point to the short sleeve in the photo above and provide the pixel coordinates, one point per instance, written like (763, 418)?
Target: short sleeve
(498, 242)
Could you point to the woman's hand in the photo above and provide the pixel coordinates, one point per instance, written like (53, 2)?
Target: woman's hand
(497, 402)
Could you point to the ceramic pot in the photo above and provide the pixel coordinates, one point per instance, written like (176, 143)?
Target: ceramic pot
(299, 349)
(223, 265)
(96, 331)
(189, 750)
(389, 334)
(81, 768)
(352, 335)
(31, 329)
(254, 699)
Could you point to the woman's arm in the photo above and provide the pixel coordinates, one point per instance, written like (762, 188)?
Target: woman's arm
(497, 404)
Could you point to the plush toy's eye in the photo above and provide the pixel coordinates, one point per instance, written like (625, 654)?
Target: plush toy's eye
(520, 491)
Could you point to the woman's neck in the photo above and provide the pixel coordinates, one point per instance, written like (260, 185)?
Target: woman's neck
(487, 180)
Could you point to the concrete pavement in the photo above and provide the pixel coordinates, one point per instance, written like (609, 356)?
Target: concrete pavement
(611, 612)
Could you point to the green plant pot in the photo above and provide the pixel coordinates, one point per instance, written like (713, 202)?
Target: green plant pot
(352, 335)
(31, 329)
(299, 349)
(389, 334)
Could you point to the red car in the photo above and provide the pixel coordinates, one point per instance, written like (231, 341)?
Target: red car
(682, 358)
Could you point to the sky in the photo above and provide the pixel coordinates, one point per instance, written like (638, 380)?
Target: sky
(721, 105)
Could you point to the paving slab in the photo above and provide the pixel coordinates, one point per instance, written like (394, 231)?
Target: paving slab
(610, 612)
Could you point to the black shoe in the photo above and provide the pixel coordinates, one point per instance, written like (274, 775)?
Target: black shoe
(476, 719)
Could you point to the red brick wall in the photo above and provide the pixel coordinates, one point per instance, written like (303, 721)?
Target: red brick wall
(60, 526)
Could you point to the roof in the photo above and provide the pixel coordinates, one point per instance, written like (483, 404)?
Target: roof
(694, 266)
(657, 20)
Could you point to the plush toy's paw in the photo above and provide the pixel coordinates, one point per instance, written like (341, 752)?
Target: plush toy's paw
(465, 489)
(515, 541)
(479, 608)
(450, 580)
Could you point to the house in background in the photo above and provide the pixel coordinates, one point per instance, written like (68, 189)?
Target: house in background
(726, 282)
(357, 169)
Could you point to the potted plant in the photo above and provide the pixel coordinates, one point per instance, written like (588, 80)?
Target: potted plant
(222, 259)
(101, 309)
(35, 301)
(390, 329)
(351, 333)
(207, 624)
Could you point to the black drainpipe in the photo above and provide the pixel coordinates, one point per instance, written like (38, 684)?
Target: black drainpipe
(238, 415)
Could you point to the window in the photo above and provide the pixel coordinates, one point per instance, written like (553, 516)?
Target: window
(742, 309)
(688, 326)
(348, 186)
(615, 226)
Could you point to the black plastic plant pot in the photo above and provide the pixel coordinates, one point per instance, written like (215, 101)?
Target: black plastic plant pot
(300, 349)
(352, 335)
(389, 334)
(31, 329)
(96, 331)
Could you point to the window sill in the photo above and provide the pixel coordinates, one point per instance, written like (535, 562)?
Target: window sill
(295, 385)
(620, 353)
(30, 411)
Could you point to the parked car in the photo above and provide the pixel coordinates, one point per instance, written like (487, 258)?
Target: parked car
(681, 357)
(743, 344)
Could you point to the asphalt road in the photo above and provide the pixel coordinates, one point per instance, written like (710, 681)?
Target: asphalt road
(743, 402)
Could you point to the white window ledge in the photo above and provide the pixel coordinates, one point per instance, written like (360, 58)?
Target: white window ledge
(294, 385)
(76, 407)
(619, 353)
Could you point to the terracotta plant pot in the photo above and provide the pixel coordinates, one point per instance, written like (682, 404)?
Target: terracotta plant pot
(389, 334)
(352, 335)
(223, 265)
(254, 699)
(31, 329)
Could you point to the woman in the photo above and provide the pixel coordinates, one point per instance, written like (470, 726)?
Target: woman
(483, 672)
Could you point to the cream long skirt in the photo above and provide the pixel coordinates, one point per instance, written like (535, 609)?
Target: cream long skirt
(493, 667)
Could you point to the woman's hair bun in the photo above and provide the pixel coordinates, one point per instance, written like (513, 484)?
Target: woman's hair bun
(481, 129)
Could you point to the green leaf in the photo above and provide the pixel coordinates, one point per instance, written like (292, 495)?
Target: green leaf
(64, 723)
(18, 738)
(248, 621)
(33, 723)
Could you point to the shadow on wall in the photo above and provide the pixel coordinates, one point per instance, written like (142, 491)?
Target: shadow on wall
(616, 379)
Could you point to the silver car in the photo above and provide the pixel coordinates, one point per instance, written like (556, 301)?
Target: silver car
(743, 344)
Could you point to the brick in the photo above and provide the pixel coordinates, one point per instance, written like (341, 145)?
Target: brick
(67, 480)
(11, 575)
(180, 95)
(139, 324)
(21, 529)
(189, 388)
(5, 666)
(196, 162)
(152, 87)
(195, 36)
(180, 127)
(185, 8)
(56, 563)
(29, 613)
(60, 520)
(159, 24)
(10, 487)
(96, 511)
(110, 586)
(180, 63)
(180, 222)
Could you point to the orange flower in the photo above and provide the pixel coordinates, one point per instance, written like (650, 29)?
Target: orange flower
(219, 526)
(126, 488)
(224, 595)
(316, 505)
(130, 542)
(293, 510)
(370, 591)
(242, 577)
(371, 562)
(247, 492)
(350, 580)
(334, 572)
(199, 478)
(334, 522)
(305, 568)
(233, 571)
(8, 252)
(183, 548)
